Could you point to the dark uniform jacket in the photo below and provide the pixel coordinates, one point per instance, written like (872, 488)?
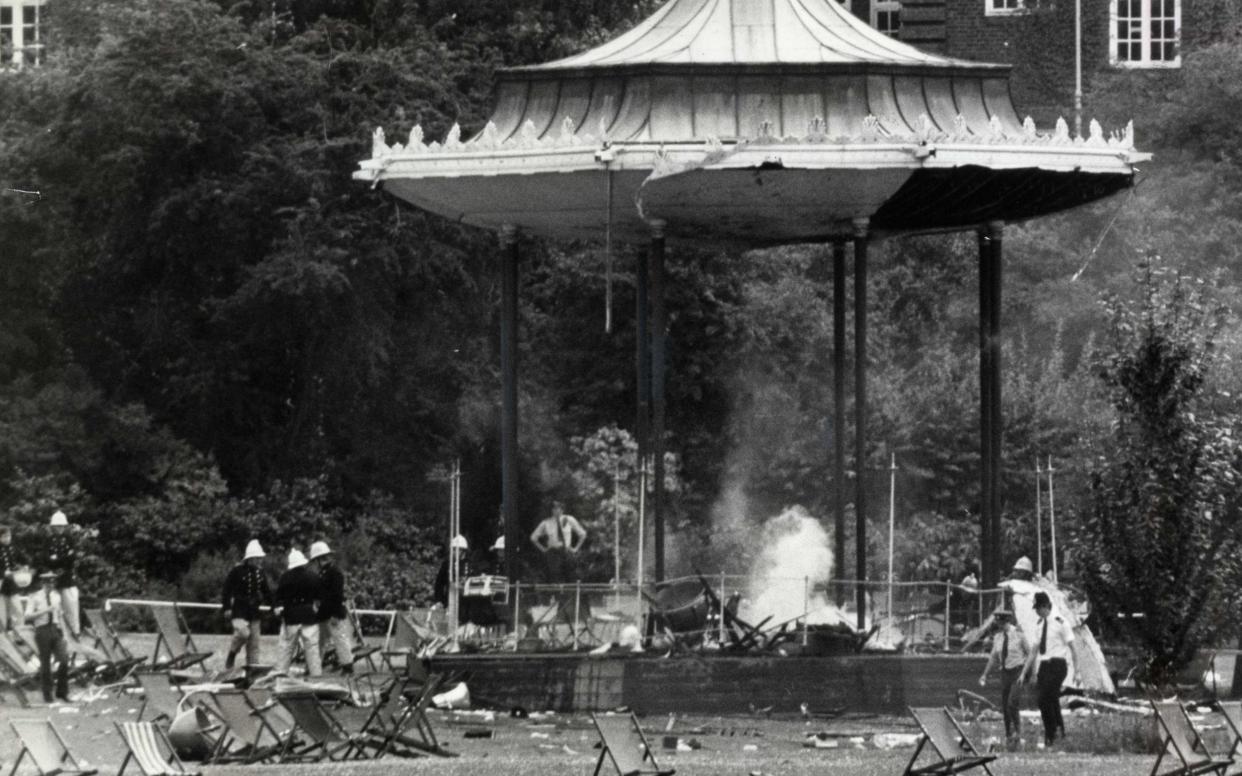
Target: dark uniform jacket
(7, 565)
(245, 590)
(333, 602)
(299, 593)
(63, 559)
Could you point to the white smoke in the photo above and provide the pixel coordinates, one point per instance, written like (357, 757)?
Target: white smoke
(790, 575)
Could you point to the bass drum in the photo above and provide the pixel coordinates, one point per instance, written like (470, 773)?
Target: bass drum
(190, 734)
(683, 605)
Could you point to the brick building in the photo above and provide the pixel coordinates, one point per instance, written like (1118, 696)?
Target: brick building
(1037, 38)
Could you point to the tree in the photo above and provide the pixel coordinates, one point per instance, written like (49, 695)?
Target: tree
(1160, 535)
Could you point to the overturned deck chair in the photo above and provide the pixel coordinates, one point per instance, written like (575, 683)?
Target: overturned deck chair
(623, 744)
(160, 697)
(80, 673)
(408, 640)
(16, 673)
(362, 650)
(399, 721)
(248, 735)
(174, 638)
(149, 748)
(100, 634)
(947, 740)
(46, 748)
(1179, 735)
(319, 734)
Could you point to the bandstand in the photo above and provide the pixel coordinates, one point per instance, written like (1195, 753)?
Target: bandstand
(745, 123)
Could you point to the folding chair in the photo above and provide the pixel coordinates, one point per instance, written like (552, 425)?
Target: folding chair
(327, 738)
(248, 735)
(159, 695)
(1232, 712)
(408, 639)
(950, 743)
(1179, 734)
(148, 746)
(47, 749)
(77, 673)
(104, 638)
(15, 669)
(362, 650)
(174, 638)
(400, 718)
(623, 743)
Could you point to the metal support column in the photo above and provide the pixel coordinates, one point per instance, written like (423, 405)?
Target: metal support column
(509, 399)
(990, 419)
(860, 415)
(659, 325)
(838, 412)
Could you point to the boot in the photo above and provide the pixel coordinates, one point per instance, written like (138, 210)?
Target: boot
(230, 659)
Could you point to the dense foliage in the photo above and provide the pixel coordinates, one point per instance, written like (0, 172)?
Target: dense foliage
(209, 331)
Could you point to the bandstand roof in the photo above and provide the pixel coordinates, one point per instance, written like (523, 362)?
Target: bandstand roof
(751, 122)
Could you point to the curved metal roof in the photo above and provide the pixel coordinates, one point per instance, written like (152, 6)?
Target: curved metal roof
(749, 32)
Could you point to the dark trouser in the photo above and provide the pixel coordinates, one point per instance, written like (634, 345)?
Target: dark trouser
(1051, 674)
(50, 641)
(1011, 698)
(561, 568)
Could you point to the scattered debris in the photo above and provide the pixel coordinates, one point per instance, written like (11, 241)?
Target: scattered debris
(478, 733)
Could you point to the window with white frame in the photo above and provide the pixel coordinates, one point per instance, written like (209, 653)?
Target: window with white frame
(1145, 33)
(1004, 7)
(20, 37)
(886, 16)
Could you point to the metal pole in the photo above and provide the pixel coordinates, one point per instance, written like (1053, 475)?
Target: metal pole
(642, 539)
(948, 593)
(659, 326)
(577, 608)
(860, 416)
(985, 416)
(997, 424)
(1039, 528)
(1052, 523)
(721, 624)
(806, 606)
(616, 525)
(517, 614)
(1078, 68)
(892, 515)
(838, 413)
(509, 402)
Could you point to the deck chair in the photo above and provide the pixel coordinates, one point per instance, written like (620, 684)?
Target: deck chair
(159, 695)
(149, 748)
(408, 639)
(248, 735)
(325, 737)
(78, 672)
(950, 744)
(100, 634)
(1232, 712)
(16, 673)
(400, 718)
(624, 745)
(362, 650)
(174, 638)
(46, 747)
(1179, 735)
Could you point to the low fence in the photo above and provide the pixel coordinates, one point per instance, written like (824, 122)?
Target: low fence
(491, 613)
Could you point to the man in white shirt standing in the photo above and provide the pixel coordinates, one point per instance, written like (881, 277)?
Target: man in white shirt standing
(1009, 653)
(49, 620)
(559, 537)
(1049, 663)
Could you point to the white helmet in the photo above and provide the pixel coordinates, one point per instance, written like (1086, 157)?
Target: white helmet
(254, 550)
(499, 544)
(296, 558)
(58, 518)
(459, 542)
(319, 549)
(1023, 564)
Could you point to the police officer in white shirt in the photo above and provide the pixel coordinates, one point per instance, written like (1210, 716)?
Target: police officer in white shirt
(49, 621)
(559, 537)
(1049, 663)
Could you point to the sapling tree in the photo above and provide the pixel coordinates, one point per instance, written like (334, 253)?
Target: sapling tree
(1160, 534)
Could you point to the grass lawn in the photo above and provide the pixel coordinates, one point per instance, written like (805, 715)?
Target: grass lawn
(564, 743)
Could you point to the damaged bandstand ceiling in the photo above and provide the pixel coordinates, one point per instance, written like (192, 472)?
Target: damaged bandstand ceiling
(751, 123)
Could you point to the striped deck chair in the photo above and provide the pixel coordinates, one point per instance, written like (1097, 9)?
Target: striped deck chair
(46, 748)
(323, 737)
(159, 695)
(174, 638)
(624, 745)
(947, 740)
(248, 735)
(149, 748)
(1178, 734)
